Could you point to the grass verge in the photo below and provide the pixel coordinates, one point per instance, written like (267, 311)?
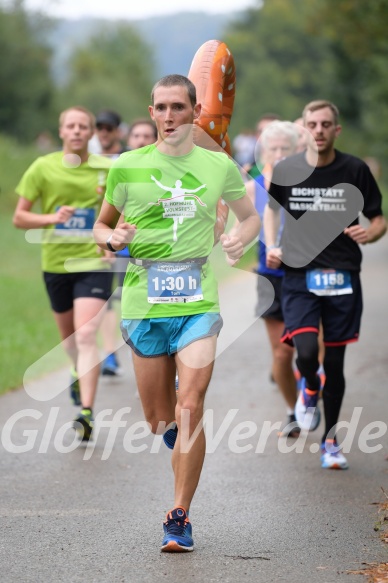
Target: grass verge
(27, 328)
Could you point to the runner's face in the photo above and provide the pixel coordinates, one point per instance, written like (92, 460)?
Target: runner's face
(108, 136)
(172, 109)
(141, 135)
(75, 132)
(277, 147)
(323, 129)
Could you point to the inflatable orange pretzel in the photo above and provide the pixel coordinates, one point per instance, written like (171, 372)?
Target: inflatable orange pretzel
(214, 76)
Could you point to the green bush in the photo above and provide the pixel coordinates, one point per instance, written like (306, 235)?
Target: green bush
(28, 330)
(15, 159)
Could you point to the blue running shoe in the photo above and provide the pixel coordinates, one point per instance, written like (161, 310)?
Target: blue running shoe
(83, 424)
(110, 367)
(299, 379)
(169, 436)
(307, 412)
(75, 393)
(331, 456)
(177, 532)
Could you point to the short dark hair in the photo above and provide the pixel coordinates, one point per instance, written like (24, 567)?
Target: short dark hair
(320, 104)
(171, 81)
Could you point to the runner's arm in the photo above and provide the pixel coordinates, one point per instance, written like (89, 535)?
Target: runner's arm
(376, 229)
(271, 225)
(250, 188)
(109, 224)
(23, 218)
(246, 231)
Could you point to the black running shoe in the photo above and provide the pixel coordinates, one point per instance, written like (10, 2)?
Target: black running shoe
(291, 428)
(83, 424)
(75, 394)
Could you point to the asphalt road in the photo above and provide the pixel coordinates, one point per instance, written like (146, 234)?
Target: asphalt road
(262, 514)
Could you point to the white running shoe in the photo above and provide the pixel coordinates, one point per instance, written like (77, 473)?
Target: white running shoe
(307, 412)
(331, 456)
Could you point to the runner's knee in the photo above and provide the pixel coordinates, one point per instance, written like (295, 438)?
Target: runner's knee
(86, 335)
(158, 420)
(283, 354)
(190, 408)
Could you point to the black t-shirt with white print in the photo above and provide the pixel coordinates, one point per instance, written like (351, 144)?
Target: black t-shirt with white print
(307, 244)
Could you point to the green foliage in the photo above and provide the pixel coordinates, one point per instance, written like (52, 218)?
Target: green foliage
(289, 52)
(14, 160)
(359, 26)
(114, 70)
(279, 64)
(28, 329)
(26, 87)
(357, 32)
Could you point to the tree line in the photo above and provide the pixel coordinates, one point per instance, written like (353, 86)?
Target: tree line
(114, 68)
(287, 52)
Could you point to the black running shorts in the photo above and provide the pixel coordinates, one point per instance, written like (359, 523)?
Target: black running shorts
(64, 288)
(303, 311)
(265, 294)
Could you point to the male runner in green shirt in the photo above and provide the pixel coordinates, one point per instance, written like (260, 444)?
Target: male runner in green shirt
(168, 193)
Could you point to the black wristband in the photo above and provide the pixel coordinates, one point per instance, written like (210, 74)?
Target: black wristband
(109, 245)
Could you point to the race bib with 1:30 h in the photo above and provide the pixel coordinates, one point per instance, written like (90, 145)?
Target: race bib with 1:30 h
(174, 282)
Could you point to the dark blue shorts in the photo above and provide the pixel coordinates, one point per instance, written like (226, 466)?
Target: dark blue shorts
(303, 311)
(269, 291)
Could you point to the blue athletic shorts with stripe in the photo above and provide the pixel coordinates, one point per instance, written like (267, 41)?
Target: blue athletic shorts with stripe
(303, 311)
(160, 336)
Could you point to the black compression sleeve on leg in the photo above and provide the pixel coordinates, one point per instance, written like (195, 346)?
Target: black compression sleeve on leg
(334, 388)
(306, 345)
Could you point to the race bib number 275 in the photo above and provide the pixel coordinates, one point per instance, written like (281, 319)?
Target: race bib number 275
(80, 223)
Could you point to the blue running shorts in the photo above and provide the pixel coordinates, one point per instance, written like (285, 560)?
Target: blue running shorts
(160, 336)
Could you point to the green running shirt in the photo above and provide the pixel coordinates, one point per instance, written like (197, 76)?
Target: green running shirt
(55, 184)
(173, 202)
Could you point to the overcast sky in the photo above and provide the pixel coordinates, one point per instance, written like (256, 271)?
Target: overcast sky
(133, 9)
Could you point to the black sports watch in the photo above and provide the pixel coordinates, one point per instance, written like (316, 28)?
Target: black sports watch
(109, 245)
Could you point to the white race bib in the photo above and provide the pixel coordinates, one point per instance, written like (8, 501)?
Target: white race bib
(170, 283)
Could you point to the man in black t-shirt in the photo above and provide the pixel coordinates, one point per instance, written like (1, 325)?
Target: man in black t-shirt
(322, 259)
